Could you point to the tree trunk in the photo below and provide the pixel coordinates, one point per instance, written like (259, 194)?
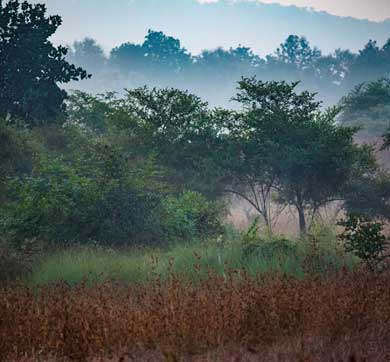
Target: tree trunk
(302, 221)
(267, 221)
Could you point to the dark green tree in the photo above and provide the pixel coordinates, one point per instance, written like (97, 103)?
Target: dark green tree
(180, 130)
(290, 146)
(369, 195)
(368, 107)
(371, 64)
(30, 66)
(364, 237)
(165, 52)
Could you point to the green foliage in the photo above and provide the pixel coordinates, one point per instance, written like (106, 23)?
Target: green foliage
(372, 63)
(324, 233)
(189, 261)
(50, 203)
(159, 55)
(364, 238)
(88, 55)
(31, 67)
(367, 107)
(16, 154)
(288, 145)
(148, 168)
(251, 238)
(99, 193)
(275, 248)
(60, 203)
(190, 216)
(16, 263)
(181, 131)
(368, 195)
(90, 111)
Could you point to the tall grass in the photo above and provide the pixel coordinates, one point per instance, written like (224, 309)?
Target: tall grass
(193, 261)
(344, 317)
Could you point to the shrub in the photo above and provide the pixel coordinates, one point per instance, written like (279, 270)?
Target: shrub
(100, 200)
(16, 151)
(58, 204)
(191, 216)
(15, 263)
(364, 238)
(51, 203)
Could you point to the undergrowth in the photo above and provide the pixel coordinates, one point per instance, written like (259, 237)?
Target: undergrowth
(319, 254)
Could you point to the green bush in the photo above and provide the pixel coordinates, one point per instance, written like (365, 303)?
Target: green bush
(364, 238)
(100, 201)
(191, 216)
(58, 205)
(48, 203)
(16, 154)
(16, 263)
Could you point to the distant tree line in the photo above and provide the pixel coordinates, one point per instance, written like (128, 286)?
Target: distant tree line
(162, 61)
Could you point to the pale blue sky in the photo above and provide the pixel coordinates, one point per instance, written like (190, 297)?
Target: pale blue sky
(223, 22)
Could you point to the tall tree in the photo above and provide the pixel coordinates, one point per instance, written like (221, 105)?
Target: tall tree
(30, 66)
(165, 52)
(128, 57)
(88, 55)
(293, 148)
(368, 106)
(180, 130)
(296, 51)
(372, 63)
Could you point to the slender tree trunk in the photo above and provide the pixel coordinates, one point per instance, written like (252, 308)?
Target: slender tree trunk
(268, 223)
(302, 221)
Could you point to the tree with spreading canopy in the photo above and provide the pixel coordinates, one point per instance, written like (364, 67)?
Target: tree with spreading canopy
(285, 145)
(31, 67)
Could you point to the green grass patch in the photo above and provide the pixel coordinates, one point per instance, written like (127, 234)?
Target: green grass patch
(193, 261)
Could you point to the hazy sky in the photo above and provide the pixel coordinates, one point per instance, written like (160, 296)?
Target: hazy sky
(363, 9)
(223, 23)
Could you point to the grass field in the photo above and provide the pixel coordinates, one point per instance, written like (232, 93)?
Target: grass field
(230, 299)
(344, 317)
(191, 261)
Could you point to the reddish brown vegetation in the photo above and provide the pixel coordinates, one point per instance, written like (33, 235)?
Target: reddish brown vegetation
(343, 318)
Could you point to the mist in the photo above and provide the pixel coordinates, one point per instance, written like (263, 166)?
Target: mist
(161, 61)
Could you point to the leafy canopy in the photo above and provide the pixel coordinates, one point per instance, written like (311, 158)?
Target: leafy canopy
(287, 144)
(31, 67)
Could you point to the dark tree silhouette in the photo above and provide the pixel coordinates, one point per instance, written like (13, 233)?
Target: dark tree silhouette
(31, 67)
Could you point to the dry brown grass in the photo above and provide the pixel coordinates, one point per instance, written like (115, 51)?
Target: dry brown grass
(340, 318)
